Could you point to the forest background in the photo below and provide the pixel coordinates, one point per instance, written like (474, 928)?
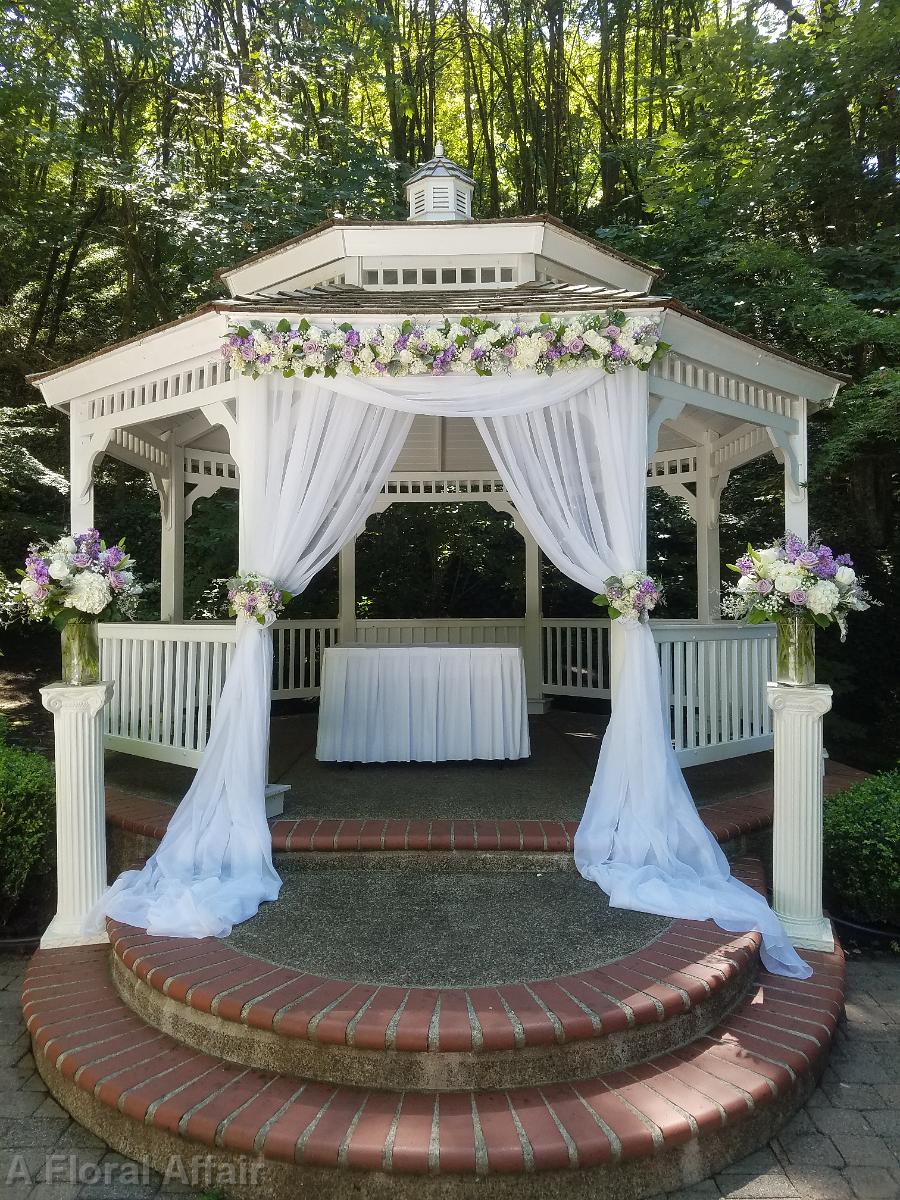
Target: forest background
(748, 149)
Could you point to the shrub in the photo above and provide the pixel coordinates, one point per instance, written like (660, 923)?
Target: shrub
(27, 817)
(862, 850)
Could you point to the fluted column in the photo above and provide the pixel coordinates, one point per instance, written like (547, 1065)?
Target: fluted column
(80, 813)
(797, 826)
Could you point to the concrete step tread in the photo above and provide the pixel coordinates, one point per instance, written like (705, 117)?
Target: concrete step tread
(763, 1051)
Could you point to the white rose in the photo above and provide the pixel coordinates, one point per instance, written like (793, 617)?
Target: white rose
(746, 583)
(770, 554)
(631, 579)
(67, 545)
(822, 598)
(30, 588)
(788, 581)
(59, 569)
(844, 576)
(89, 593)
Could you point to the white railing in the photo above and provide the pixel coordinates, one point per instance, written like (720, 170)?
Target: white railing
(576, 657)
(487, 631)
(715, 677)
(169, 677)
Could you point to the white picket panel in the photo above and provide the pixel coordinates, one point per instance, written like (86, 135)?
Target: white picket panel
(169, 677)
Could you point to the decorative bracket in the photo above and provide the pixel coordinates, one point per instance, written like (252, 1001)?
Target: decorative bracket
(666, 409)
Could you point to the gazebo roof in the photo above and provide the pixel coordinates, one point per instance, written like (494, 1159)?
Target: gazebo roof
(524, 298)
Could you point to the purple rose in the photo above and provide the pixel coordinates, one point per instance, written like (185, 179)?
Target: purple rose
(424, 347)
(764, 586)
(576, 346)
(509, 351)
(115, 580)
(745, 564)
(81, 560)
(797, 596)
(310, 347)
(247, 353)
(808, 559)
(612, 331)
(347, 354)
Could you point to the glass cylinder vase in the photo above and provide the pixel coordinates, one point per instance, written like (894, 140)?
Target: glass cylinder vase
(80, 653)
(796, 651)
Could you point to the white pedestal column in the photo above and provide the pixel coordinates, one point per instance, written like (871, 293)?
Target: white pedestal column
(797, 826)
(80, 810)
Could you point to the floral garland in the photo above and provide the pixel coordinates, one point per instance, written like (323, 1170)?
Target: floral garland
(468, 345)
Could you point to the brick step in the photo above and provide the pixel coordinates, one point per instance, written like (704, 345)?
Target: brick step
(661, 1124)
(146, 818)
(222, 1001)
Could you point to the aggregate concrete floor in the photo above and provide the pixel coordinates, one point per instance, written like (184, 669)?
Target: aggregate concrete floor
(552, 784)
(422, 927)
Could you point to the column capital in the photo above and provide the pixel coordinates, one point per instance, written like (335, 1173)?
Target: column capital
(64, 697)
(814, 700)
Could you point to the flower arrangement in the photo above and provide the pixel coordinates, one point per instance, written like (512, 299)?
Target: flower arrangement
(630, 597)
(253, 597)
(793, 578)
(76, 579)
(470, 345)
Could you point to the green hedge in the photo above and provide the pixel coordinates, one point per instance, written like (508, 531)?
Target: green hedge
(27, 818)
(862, 850)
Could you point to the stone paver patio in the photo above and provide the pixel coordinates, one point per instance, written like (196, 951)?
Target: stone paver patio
(845, 1145)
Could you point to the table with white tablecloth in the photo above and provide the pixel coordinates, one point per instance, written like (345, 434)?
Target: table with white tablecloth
(422, 704)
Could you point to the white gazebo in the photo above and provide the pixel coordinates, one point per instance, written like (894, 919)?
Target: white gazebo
(166, 402)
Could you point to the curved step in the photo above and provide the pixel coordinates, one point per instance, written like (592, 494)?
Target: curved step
(220, 1000)
(659, 1125)
(147, 818)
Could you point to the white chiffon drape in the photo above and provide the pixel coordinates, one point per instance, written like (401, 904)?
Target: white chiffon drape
(311, 464)
(572, 451)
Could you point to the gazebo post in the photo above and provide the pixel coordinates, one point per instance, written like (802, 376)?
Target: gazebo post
(796, 465)
(81, 490)
(706, 514)
(532, 645)
(347, 593)
(171, 562)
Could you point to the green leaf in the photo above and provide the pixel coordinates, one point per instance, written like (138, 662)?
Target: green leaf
(242, 331)
(283, 326)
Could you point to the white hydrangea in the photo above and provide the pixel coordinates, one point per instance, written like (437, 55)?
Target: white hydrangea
(89, 593)
(390, 333)
(506, 329)
(822, 598)
(597, 342)
(788, 580)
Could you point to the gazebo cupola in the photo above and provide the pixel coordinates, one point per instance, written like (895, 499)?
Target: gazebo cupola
(440, 190)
